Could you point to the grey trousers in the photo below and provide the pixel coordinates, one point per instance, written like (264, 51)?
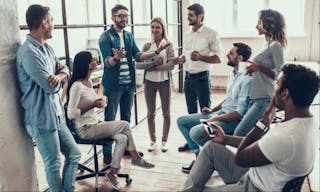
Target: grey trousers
(150, 92)
(119, 131)
(217, 157)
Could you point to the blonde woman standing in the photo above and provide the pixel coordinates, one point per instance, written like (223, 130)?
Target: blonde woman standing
(157, 77)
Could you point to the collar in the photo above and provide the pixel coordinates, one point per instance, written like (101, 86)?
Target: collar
(199, 30)
(35, 42)
(115, 32)
(162, 42)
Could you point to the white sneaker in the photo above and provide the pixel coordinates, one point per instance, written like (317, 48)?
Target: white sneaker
(164, 146)
(152, 146)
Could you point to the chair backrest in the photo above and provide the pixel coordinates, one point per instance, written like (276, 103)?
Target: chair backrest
(294, 185)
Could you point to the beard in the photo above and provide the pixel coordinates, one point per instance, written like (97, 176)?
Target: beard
(231, 63)
(121, 25)
(192, 23)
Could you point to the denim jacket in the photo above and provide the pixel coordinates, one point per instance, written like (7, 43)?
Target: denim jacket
(35, 63)
(108, 40)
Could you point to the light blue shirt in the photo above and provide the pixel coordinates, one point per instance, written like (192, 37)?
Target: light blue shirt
(238, 92)
(35, 63)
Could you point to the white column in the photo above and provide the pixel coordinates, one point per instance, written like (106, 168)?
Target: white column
(17, 161)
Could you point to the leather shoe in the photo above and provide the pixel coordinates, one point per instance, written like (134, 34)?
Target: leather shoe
(127, 153)
(183, 148)
(107, 159)
(187, 168)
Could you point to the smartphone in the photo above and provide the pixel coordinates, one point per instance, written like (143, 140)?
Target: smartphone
(209, 127)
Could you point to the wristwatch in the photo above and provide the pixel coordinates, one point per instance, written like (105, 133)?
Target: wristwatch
(156, 52)
(261, 126)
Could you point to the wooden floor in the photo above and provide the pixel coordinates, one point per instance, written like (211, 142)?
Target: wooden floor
(167, 175)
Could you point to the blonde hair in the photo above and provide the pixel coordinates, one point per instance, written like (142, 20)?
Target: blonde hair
(162, 23)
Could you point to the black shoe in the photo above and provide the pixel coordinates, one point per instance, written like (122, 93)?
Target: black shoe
(187, 168)
(185, 147)
(127, 153)
(107, 159)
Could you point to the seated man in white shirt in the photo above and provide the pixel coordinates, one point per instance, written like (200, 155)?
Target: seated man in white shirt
(265, 163)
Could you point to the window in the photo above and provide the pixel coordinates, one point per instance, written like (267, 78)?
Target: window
(239, 17)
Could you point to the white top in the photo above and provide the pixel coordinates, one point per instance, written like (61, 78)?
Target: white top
(290, 146)
(204, 40)
(81, 96)
(158, 76)
(122, 45)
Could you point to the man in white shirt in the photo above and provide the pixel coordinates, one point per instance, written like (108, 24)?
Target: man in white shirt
(265, 163)
(202, 47)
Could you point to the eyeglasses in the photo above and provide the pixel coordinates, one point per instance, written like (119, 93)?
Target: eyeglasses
(122, 16)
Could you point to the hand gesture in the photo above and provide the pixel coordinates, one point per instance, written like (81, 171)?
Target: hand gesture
(118, 53)
(206, 110)
(269, 113)
(100, 102)
(54, 80)
(195, 56)
(219, 134)
(252, 67)
(179, 60)
(58, 67)
(158, 61)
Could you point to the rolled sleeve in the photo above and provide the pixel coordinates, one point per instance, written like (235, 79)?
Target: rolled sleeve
(105, 49)
(278, 58)
(74, 98)
(215, 45)
(243, 98)
(38, 71)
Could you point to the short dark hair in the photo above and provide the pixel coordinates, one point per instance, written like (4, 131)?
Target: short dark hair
(197, 8)
(117, 7)
(244, 50)
(35, 14)
(302, 83)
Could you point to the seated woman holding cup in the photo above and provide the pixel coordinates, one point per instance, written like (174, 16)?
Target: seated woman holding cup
(82, 99)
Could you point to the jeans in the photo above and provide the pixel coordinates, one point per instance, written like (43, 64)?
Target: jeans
(49, 144)
(199, 136)
(254, 113)
(124, 97)
(197, 87)
(185, 123)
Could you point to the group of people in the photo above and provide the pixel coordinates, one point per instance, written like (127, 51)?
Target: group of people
(251, 95)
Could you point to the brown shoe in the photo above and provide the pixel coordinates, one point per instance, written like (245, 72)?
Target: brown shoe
(107, 159)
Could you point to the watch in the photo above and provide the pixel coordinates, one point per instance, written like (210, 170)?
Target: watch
(261, 126)
(156, 52)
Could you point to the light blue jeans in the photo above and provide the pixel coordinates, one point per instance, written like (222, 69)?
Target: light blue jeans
(254, 113)
(198, 134)
(49, 144)
(185, 123)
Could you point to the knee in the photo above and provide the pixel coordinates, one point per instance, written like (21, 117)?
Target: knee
(75, 155)
(52, 165)
(166, 115)
(151, 115)
(197, 133)
(180, 121)
(121, 139)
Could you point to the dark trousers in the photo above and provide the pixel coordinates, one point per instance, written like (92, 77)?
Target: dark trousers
(197, 88)
(123, 97)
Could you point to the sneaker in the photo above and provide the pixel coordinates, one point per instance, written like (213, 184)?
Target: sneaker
(113, 180)
(187, 168)
(152, 146)
(183, 148)
(164, 147)
(142, 163)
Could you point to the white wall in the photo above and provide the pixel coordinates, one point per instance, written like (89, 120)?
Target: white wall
(304, 48)
(17, 167)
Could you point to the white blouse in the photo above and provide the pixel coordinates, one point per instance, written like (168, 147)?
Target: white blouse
(81, 96)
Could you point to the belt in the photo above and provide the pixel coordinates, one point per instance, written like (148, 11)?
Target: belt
(197, 75)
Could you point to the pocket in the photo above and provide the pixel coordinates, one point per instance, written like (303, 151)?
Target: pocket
(201, 45)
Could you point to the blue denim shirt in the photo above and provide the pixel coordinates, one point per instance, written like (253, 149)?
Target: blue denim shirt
(35, 63)
(108, 40)
(238, 92)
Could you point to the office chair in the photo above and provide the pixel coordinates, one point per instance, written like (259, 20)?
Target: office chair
(294, 185)
(96, 172)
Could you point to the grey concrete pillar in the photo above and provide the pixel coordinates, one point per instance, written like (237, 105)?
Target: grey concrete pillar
(17, 161)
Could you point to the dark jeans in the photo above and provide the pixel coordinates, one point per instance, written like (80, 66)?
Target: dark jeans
(124, 97)
(197, 87)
